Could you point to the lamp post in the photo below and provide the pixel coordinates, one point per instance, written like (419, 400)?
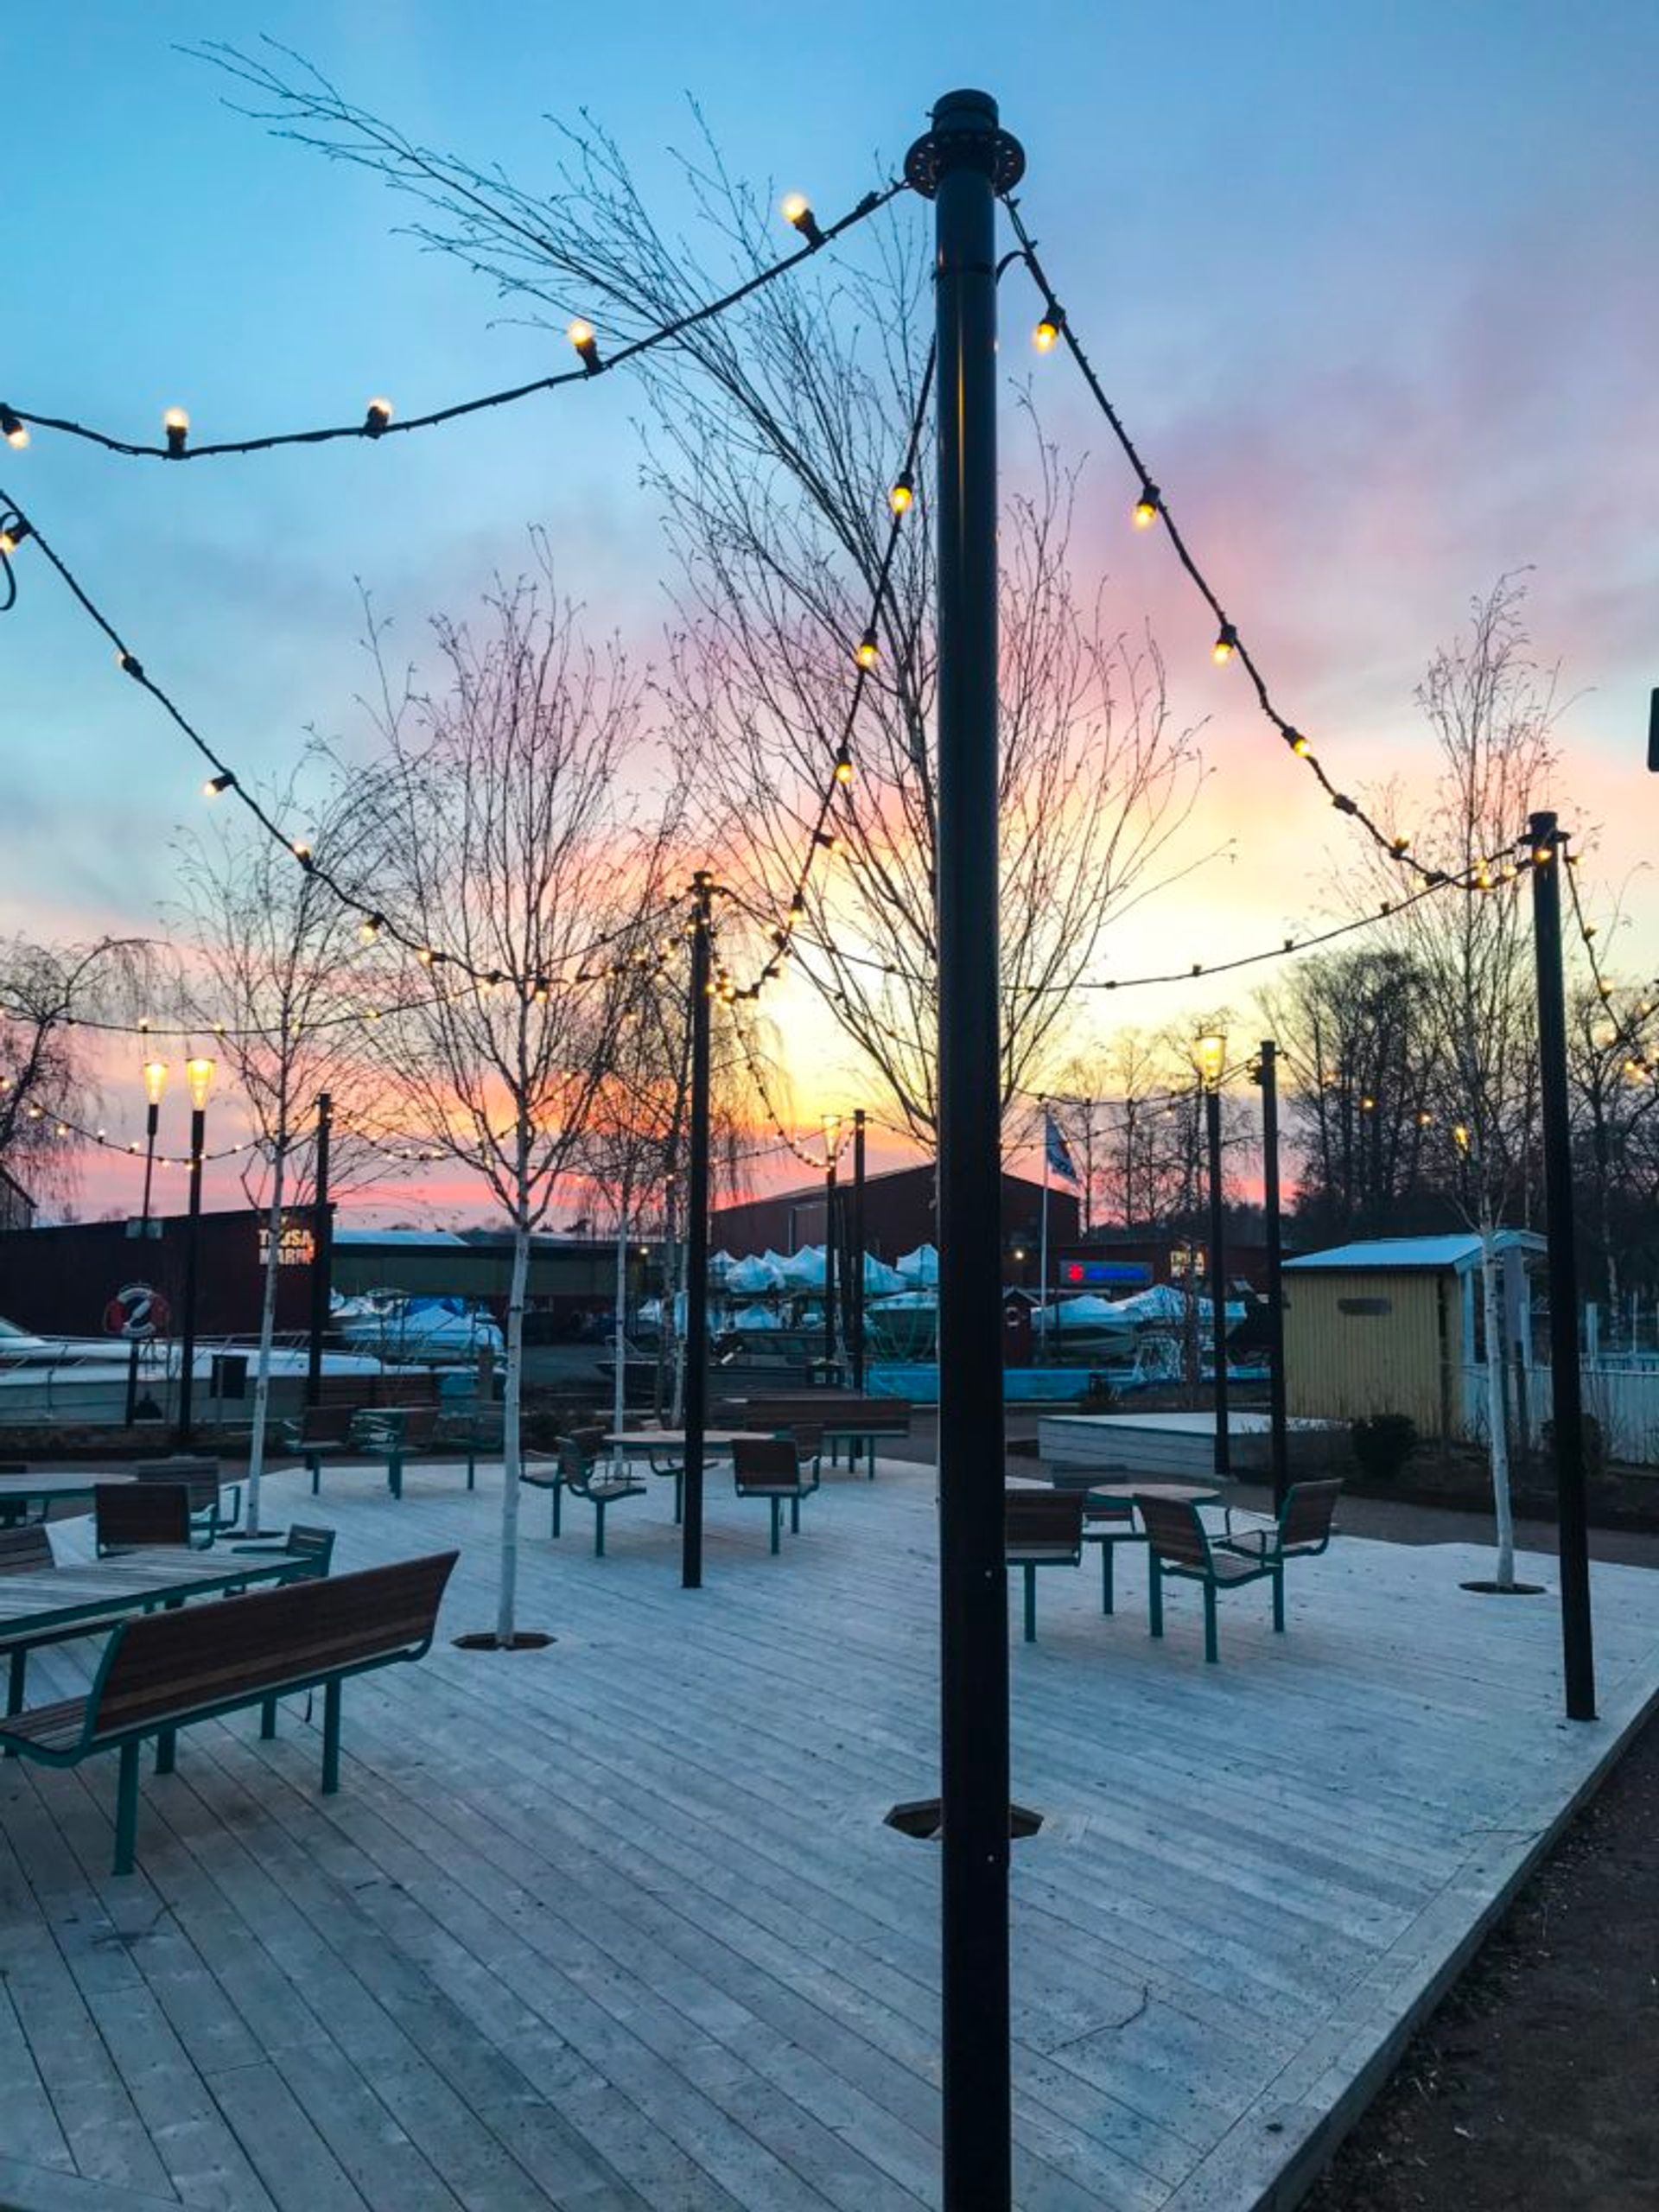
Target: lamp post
(155, 1084)
(831, 1139)
(1278, 1426)
(1209, 1057)
(858, 1250)
(199, 1075)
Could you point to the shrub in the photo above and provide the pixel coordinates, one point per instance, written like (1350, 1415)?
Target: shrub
(1383, 1443)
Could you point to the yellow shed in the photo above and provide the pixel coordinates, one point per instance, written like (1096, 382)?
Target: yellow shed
(1388, 1325)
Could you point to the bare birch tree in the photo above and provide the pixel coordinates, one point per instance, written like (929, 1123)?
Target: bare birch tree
(504, 837)
(276, 969)
(47, 1077)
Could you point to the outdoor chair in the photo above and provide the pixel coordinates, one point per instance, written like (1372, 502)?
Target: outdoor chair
(782, 1470)
(546, 1470)
(1300, 1530)
(199, 1475)
(27, 1550)
(126, 1514)
(1041, 1527)
(1179, 1546)
(584, 1475)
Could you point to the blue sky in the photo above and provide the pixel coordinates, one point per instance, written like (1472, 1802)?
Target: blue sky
(1377, 293)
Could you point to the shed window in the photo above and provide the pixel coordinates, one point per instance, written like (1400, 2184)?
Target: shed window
(1365, 1305)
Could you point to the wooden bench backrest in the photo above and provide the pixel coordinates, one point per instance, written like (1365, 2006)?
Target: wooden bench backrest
(141, 1513)
(765, 1463)
(1042, 1517)
(199, 1477)
(213, 1655)
(1174, 1530)
(314, 1545)
(1308, 1510)
(823, 1409)
(326, 1424)
(25, 1551)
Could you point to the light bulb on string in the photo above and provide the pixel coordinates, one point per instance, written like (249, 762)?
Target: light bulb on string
(216, 786)
(1145, 512)
(1046, 335)
(868, 651)
(1225, 646)
(797, 211)
(176, 423)
(843, 764)
(13, 428)
(12, 536)
(379, 415)
(370, 927)
(903, 494)
(580, 335)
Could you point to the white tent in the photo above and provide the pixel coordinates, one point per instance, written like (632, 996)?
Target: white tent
(921, 1266)
(720, 1266)
(878, 1276)
(751, 1275)
(756, 1317)
(805, 1269)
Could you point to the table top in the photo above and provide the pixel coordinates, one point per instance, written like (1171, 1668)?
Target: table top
(103, 1589)
(714, 1440)
(1174, 1493)
(81, 1483)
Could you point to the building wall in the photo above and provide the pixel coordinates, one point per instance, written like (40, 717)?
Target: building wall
(899, 1214)
(1367, 1340)
(58, 1280)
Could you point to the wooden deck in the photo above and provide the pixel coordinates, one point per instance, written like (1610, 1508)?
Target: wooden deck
(617, 1923)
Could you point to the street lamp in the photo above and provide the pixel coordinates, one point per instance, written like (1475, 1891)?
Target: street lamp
(198, 1075)
(1209, 1057)
(831, 1140)
(155, 1072)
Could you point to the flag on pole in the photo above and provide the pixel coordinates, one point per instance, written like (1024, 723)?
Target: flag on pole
(1055, 1151)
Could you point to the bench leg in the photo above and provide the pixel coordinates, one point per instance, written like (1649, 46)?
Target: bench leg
(872, 1446)
(557, 1487)
(794, 1516)
(395, 1474)
(15, 1676)
(472, 1471)
(1108, 1593)
(1031, 1604)
(777, 1504)
(1212, 1654)
(599, 1530)
(315, 1465)
(331, 1736)
(1155, 1593)
(1279, 1599)
(126, 1810)
(167, 1745)
(679, 1499)
(268, 1719)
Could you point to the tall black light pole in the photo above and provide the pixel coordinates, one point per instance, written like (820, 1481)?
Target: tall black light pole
(1209, 1053)
(155, 1084)
(962, 164)
(697, 1243)
(1278, 1426)
(198, 1074)
(322, 1252)
(831, 1140)
(1578, 1641)
(857, 1261)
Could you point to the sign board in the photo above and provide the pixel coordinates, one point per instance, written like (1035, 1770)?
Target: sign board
(296, 1248)
(136, 1313)
(137, 1226)
(1079, 1272)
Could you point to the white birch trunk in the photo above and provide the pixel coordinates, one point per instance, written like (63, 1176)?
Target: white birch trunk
(1496, 1427)
(618, 1387)
(267, 1331)
(512, 1447)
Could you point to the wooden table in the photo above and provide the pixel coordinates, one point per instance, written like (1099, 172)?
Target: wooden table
(1110, 1506)
(54, 1604)
(19, 1492)
(1125, 1493)
(669, 1441)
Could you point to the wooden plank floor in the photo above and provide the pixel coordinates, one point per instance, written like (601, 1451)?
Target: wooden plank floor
(618, 1924)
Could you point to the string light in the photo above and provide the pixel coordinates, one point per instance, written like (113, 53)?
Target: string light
(216, 784)
(12, 429)
(580, 335)
(1046, 335)
(663, 334)
(370, 926)
(176, 423)
(867, 652)
(797, 213)
(903, 494)
(12, 534)
(1152, 506)
(379, 415)
(843, 764)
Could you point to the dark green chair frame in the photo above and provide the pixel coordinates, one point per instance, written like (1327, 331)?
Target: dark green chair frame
(1178, 1545)
(1041, 1527)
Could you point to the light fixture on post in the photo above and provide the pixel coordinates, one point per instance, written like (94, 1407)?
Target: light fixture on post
(1209, 1059)
(832, 1144)
(155, 1085)
(198, 1075)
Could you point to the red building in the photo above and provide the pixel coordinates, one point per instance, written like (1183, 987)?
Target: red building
(901, 1212)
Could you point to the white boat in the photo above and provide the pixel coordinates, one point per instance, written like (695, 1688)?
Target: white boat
(401, 1329)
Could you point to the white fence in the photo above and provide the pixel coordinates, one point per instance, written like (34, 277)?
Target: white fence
(1624, 1400)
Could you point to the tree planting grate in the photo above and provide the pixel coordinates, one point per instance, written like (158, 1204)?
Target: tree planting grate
(924, 1818)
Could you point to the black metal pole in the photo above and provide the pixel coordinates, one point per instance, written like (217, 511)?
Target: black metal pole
(1577, 1640)
(187, 1356)
(152, 1123)
(1217, 1276)
(322, 1252)
(857, 1261)
(830, 1266)
(697, 1247)
(1278, 1427)
(962, 163)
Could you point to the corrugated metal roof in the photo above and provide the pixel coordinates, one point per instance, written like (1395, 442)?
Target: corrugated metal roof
(1459, 1249)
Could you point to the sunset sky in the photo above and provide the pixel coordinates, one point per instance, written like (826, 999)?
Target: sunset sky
(1375, 293)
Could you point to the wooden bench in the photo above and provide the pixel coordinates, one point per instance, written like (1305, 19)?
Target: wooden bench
(775, 1468)
(1041, 1527)
(162, 1671)
(393, 1433)
(839, 1416)
(586, 1476)
(1179, 1546)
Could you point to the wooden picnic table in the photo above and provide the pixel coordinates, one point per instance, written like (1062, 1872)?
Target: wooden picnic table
(1126, 1492)
(54, 1604)
(674, 1440)
(19, 1492)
